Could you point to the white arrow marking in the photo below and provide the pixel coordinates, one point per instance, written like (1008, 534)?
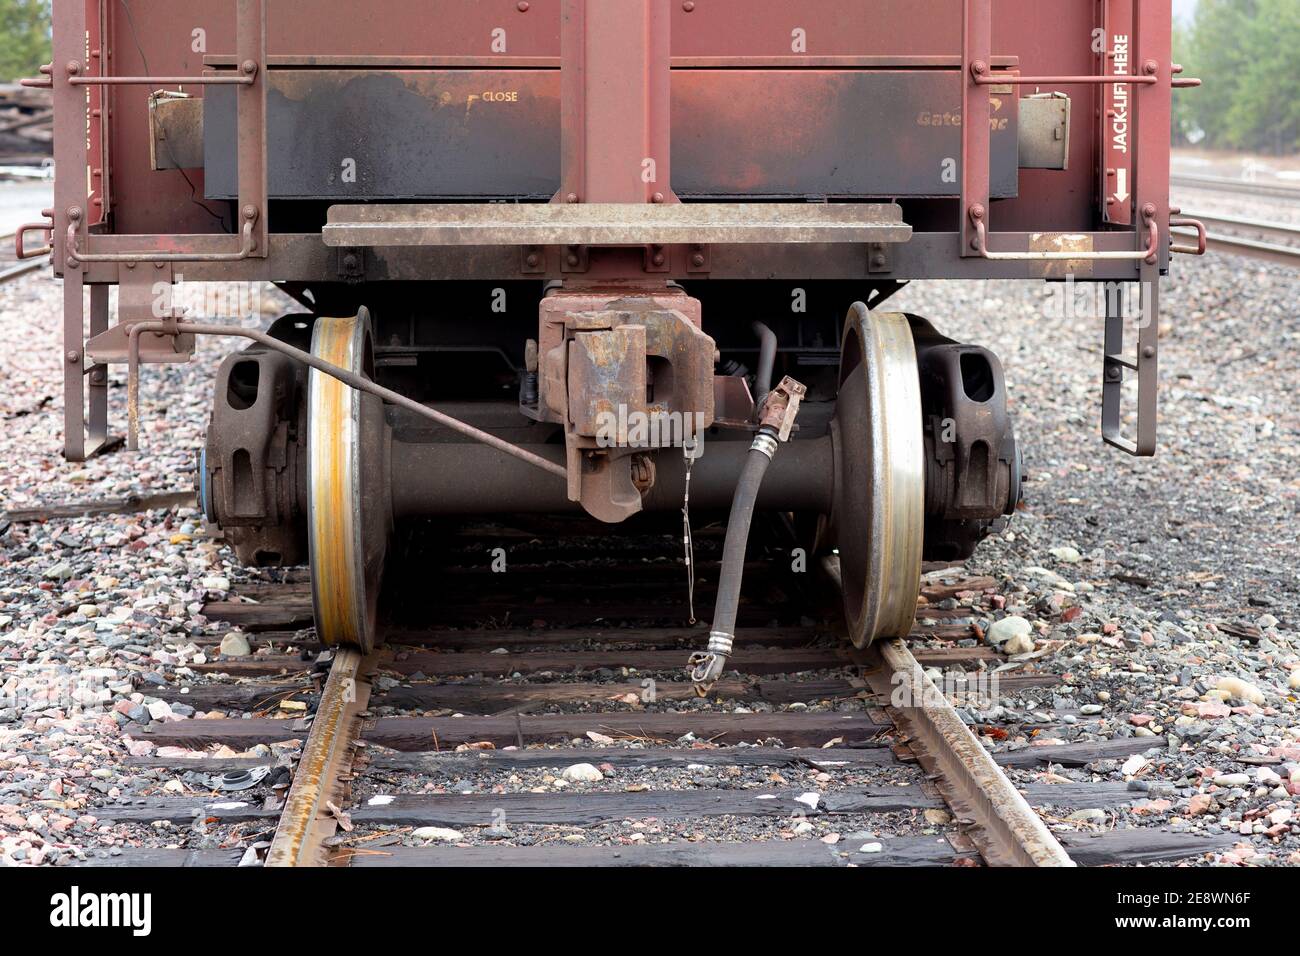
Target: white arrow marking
(1121, 184)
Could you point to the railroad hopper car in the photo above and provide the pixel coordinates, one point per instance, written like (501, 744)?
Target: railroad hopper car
(582, 255)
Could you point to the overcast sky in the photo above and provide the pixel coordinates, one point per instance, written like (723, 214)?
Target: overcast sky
(1183, 9)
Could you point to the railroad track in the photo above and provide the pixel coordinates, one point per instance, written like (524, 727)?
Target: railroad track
(567, 734)
(1224, 184)
(12, 268)
(1254, 238)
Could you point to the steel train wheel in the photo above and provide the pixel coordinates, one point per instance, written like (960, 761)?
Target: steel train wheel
(347, 514)
(879, 511)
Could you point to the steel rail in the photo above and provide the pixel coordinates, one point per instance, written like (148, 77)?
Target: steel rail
(23, 267)
(310, 814)
(1004, 827)
(1280, 253)
(1279, 231)
(1225, 184)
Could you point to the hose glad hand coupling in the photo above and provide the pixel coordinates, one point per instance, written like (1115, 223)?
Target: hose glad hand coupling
(707, 666)
(776, 420)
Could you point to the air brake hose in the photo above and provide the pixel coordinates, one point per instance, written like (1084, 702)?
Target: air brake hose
(776, 420)
(766, 363)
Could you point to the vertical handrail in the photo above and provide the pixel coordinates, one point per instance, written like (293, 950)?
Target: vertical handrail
(976, 109)
(1153, 21)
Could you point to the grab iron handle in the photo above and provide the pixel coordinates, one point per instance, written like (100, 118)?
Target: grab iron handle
(1145, 255)
(21, 251)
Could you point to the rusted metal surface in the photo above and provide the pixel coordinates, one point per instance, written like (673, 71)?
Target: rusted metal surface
(1000, 821)
(976, 112)
(22, 251)
(746, 133)
(312, 811)
(176, 125)
(428, 479)
(973, 464)
(766, 101)
(1003, 825)
(615, 102)
(621, 372)
(1051, 250)
(469, 224)
(344, 375)
(1141, 439)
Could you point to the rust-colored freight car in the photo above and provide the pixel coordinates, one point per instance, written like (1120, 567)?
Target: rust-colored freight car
(553, 255)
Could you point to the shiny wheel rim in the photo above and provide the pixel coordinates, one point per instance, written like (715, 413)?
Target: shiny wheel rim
(342, 524)
(879, 518)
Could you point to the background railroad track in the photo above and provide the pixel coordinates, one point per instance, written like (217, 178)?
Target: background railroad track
(10, 266)
(1244, 235)
(469, 741)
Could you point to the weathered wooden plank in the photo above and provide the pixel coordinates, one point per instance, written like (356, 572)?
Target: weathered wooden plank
(895, 852)
(590, 809)
(747, 660)
(185, 810)
(278, 615)
(434, 664)
(1074, 755)
(514, 638)
(200, 764)
(131, 504)
(952, 656)
(198, 734)
(793, 729)
(294, 612)
(492, 698)
(940, 591)
(1140, 845)
(436, 733)
(267, 666)
(1080, 795)
(167, 858)
(485, 698)
(232, 696)
(829, 759)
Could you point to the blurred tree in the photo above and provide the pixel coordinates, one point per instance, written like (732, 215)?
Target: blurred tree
(1245, 52)
(24, 37)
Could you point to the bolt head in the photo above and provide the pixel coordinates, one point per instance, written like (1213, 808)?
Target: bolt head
(688, 6)
(697, 259)
(74, 356)
(571, 197)
(522, 6)
(657, 197)
(250, 211)
(249, 67)
(658, 259)
(531, 259)
(73, 67)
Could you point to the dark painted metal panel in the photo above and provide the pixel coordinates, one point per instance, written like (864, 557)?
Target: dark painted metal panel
(496, 133)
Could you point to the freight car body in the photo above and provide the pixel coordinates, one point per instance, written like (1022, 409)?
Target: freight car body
(552, 255)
